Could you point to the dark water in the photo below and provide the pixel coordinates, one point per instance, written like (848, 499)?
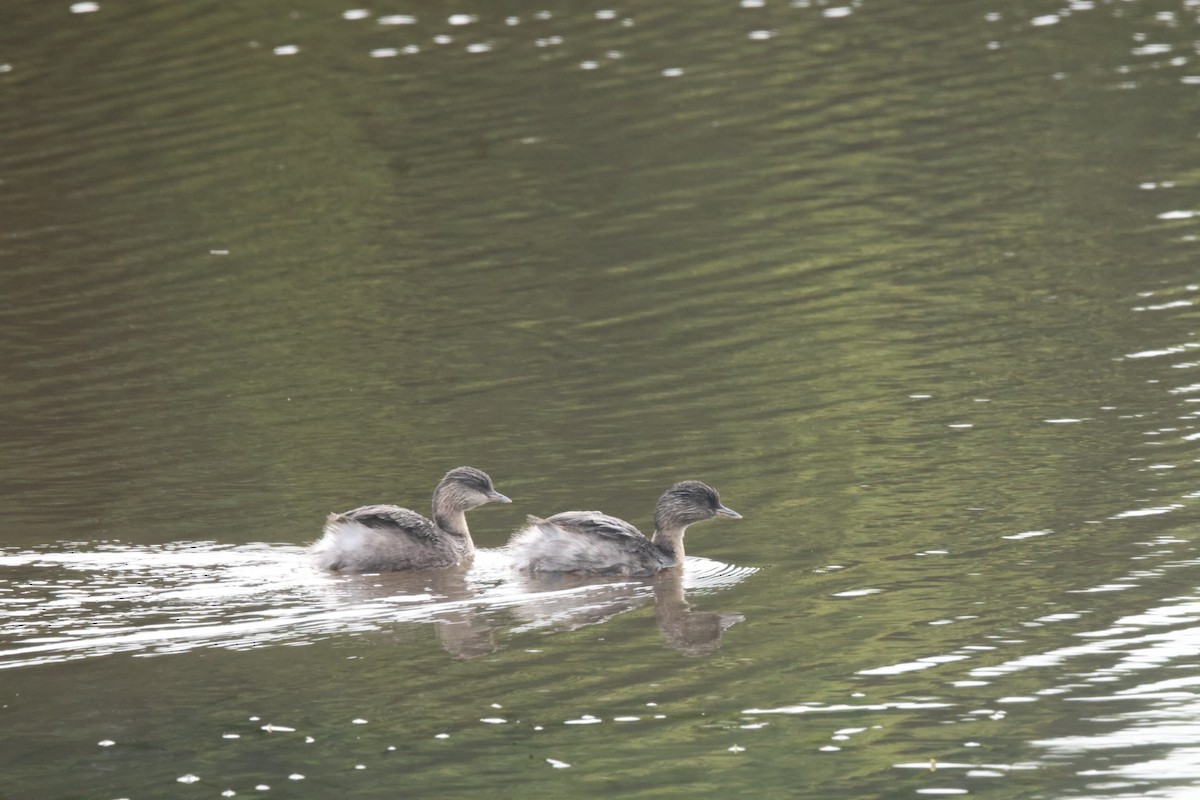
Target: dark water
(913, 284)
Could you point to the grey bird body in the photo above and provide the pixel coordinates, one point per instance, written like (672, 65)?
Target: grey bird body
(595, 543)
(385, 538)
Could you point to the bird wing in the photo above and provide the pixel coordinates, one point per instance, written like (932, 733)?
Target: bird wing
(391, 518)
(593, 523)
(584, 541)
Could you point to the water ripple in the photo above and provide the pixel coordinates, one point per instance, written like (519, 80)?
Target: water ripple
(58, 605)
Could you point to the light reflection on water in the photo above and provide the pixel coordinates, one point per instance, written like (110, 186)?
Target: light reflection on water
(1147, 720)
(69, 604)
(1120, 676)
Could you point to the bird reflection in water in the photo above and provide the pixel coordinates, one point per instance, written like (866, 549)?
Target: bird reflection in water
(565, 601)
(471, 608)
(460, 620)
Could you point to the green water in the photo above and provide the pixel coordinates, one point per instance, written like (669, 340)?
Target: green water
(913, 285)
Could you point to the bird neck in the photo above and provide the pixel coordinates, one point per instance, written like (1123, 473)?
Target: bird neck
(449, 517)
(670, 541)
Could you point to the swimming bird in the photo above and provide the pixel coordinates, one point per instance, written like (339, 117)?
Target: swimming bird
(595, 543)
(383, 538)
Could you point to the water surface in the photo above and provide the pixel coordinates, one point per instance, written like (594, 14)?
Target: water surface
(912, 285)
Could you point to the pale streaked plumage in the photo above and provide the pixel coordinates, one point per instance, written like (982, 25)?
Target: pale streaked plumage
(595, 543)
(384, 538)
